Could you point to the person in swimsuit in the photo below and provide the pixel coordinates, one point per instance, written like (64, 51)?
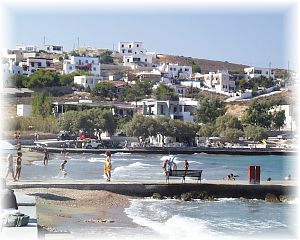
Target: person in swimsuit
(62, 168)
(18, 166)
(10, 166)
(46, 157)
(107, 166)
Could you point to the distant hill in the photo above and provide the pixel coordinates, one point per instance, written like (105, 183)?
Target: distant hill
(205, 65)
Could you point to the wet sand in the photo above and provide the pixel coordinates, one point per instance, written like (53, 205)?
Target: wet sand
(72, 212)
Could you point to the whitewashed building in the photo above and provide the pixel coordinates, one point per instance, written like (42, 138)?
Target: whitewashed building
(8, 69)
(30, 65)
(24, 110)
(27, 48)
(56, 49)
(87, 64)
(181, 110)
(252, 72)
(176, 71)
(87, 81)
(290, 112)
(220, 81)
(134, 53)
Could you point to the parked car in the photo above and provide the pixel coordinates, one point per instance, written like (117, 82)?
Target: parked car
(65, 135)
(93, 143)
(84, 136)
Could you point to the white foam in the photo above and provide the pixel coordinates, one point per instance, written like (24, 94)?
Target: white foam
(174, 227)
(96, 160)
(121, 153)
(133, 166)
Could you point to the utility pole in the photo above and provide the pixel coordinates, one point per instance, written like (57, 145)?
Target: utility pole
(269, 69)
(77, 43)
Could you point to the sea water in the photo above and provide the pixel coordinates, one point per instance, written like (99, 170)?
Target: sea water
(173, 219)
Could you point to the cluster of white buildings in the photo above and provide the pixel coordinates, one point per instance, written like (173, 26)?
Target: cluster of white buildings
(25, 59)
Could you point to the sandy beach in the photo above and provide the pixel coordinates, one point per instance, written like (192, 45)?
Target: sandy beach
(72, 212)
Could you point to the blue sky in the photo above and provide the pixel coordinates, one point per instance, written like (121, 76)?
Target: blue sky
(250, 38)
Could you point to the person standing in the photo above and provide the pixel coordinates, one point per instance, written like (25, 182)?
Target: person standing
(18, 166)
(10, 166)
(62, 168)
(46, 157)
(107, 166)
(186, 165)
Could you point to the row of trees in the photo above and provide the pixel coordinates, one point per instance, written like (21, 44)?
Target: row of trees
(42, 79)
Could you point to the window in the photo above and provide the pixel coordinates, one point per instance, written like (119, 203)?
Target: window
(129, 51)
(122, 45)
(134, 52)
(146, 60)
(93, 61)
(128, 60)
(123, 51)
(174, 69)
(141, 51)
(39, 64)
(86, 61)
(171, 69)
(267, 72)
(137, 45)
(129, 46)
(94, 69)
(186, 69)
(70, 68)
(161, 109)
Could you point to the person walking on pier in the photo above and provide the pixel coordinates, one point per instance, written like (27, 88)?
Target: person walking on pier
(107, 166)
(18, 166)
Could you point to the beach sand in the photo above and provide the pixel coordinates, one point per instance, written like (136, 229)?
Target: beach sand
(70, 213)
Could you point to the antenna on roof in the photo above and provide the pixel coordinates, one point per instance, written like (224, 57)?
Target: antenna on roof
(44, 40)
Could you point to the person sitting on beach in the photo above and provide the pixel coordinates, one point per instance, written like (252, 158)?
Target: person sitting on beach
(269, 179)
(62, 168)
(231, 176)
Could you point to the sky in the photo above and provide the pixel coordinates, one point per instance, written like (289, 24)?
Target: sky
(254, 37)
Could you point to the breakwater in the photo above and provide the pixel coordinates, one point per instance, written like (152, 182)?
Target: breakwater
(219, 189)
(191, 150)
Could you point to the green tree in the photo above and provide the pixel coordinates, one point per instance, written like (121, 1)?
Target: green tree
(41, 104)
(41, 79)
(225, 122)
(105, 90)
(196, 68)
(207, 130)
(106, 58)
(278, 119)
(138, 91)
(209, 110)
(258, 114)
(18, 80)
(255, 133)
(164, 93)
(232, 134)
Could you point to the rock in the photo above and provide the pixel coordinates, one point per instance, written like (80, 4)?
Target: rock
(286, 198)
(203, 195)
(186, 196)
(177, 197)
(271, 198)
(157, 196)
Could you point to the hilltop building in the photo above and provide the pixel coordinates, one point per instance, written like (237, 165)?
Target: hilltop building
(176, 71)
(30, 65)
(56, 49)
(87, 64)
(27, 48)
(252, 72)
(87, 81)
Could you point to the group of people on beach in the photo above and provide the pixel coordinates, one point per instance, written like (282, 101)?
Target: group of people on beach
(15, 173)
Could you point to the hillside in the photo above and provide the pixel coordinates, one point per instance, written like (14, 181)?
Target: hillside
(206, 65)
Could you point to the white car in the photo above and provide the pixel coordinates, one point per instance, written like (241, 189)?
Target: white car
(93, 143)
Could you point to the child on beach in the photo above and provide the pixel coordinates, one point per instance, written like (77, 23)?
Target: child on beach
(62, 168)
(107, 166)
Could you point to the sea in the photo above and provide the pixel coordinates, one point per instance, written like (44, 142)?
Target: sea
(226, 218)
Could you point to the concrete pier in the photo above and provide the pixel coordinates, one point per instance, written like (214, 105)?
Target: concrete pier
(217, 188)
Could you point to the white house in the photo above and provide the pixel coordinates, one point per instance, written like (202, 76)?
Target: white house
(26, 48)
(58, 49)
(87, 81)
(131, 48)
(24, 110)
(7, 69)
(87, 64)
(252, 72)
(30, 65)
(181, 110)
(220, 81)
(133, 53)
(290, 112)
(175, 70)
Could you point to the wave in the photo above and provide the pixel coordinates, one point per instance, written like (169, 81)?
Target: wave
(92, 160)
(173, 227)
(120, 154)
(133, 166)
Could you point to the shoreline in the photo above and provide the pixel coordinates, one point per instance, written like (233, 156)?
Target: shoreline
(68, 211)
